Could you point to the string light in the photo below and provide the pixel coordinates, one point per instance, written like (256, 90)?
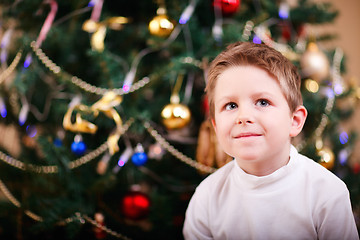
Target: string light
(125, 156)
(256, 40)
(187, 13)
(3, 110)
(343, 137)
(343, 156)
(284, 10)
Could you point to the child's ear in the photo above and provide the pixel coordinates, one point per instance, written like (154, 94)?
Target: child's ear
(213, 123)
(298, 120)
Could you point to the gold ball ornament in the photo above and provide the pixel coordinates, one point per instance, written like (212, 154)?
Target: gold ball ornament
(175, 115)
(311, 85)
(327, 158)
(161, 26)
(314, 63)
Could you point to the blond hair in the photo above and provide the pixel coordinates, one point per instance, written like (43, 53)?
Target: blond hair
(263, 57)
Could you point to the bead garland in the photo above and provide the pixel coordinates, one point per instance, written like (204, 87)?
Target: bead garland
(107, 230)
(79, 82)
(11, 68)
(54, 169)
(176, 153)
(78, 216)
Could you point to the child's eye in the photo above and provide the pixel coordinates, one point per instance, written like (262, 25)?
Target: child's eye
(262, 103)
(230, 106)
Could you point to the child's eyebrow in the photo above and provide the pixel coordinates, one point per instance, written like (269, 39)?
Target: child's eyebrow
(263, 93)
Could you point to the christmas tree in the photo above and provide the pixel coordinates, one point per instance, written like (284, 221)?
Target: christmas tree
(104, 122)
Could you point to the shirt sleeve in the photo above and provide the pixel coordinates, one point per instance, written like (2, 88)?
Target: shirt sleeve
(336, 219)
(196, 225)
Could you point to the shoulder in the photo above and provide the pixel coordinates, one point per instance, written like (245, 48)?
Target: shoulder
(218, 178)
(213, 184)
(320, 177)
(196, 225)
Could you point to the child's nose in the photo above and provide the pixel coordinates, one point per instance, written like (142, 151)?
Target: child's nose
(244, 116)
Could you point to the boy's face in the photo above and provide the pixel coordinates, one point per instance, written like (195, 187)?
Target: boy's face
(253, 121)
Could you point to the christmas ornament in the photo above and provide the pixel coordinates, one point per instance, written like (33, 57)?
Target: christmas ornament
(311, 85)
(208, 151)
(135, 205)
(314, 63)
(99, 232)
(285, 31)
(105, 105)
(57, 142)
(80, 124)
(156, 151)
(78, 147)
(327, 158)
(160, 25)
(205, 106)
(139, 158)
(98, 30)
(60, 135)
(48, 22)
(103, 164)
(356, 168)
(31, 131)
(176, 115)
(44, 29)
(228, 7)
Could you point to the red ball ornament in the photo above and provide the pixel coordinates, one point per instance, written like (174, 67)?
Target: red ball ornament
(228, 7)
(356, 168)
(135, 205)
(205, 105)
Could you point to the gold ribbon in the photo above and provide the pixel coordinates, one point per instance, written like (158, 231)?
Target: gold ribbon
(105, 105)
(98, 30)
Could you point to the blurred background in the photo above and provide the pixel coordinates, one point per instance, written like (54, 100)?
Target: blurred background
(104, 129)
(348, 35)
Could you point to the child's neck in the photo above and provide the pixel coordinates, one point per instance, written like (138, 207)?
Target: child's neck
(260, 168)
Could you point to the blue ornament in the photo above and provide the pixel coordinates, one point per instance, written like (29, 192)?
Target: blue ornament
(139, 158)
(57, 142)
(31, 131)
(78, 146)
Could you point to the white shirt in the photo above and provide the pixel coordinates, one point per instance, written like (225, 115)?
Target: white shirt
(302, 200)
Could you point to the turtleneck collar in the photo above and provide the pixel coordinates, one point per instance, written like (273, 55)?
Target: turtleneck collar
(269, 182)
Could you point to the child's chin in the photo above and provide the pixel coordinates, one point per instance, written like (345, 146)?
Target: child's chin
(250, 157)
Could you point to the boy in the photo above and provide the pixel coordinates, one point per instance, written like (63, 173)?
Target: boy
(269, 191)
